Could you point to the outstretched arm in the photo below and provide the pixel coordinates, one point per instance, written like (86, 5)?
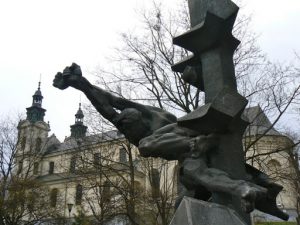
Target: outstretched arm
(102, 100)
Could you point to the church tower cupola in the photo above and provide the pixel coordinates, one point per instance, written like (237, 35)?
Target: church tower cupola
(37, 97)
(36, 112)
(79, 116)
(78, 130)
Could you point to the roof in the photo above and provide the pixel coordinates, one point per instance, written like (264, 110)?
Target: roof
(79, 113)
(259, 122)
(56, 177)
(52, 144)
(38, 93)
(71, 143)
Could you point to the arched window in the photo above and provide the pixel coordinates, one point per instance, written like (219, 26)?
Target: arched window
(38, 145)
(53, 197)
(35, 168)
(122, 155)
(73, 164)
(20, 167)
(23, 143)
(78, 197)
(51, 167)
(274, 166)
(138, 188)
(31, 200)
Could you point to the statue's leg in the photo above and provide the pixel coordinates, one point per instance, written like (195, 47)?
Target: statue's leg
(186, 187)
(218, 181)
(183, 191)
(268, 203)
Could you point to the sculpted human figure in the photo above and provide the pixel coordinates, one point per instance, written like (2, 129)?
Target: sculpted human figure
(156, 134)
(135, 121)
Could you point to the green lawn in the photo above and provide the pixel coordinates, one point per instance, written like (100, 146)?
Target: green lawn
(277, 223)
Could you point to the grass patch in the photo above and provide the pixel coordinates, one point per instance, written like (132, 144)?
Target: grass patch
(277, 223)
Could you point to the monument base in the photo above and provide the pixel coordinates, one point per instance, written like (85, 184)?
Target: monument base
(195, 212)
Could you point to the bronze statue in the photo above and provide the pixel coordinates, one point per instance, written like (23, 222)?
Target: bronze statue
(156, 133)
(208, 141)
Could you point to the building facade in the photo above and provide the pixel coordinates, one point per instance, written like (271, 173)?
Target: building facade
(269, 151)
(101, 177)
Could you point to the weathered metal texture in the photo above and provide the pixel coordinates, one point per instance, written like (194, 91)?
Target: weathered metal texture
(195, 212)
(211, 69)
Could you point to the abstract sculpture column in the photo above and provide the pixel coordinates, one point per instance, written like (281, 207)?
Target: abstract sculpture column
(211, 69)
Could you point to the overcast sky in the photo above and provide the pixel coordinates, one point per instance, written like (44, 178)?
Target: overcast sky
(42, 37)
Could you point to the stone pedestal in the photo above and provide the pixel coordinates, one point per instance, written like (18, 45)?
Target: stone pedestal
(195, 212)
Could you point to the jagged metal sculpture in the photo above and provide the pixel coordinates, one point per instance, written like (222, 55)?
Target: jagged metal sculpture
(211, 69)
(208, 141)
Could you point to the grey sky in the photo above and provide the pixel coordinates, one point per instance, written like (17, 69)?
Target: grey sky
(42, 37)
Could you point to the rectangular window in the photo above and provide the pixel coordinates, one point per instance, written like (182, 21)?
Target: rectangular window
(35, 168)
(78, 198)
(38, 145)
(73, 164)
(53, 197)
(155, 182)
(106, 191)
(51, 167)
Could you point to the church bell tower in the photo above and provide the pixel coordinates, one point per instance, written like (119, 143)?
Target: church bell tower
(78, 130)
(33, 131)
(35, 112)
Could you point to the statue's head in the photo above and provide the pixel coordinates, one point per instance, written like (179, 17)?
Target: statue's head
(130, 122)
(129, 116)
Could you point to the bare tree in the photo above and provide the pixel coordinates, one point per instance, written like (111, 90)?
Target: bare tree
(144, 60)
(156, 198)
(143, 65)
(23, 200)
(290, 173)
(107, 170)
(294, 158)
(160, 197)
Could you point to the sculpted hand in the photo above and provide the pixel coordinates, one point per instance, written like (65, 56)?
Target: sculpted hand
(71, 76)
(59, 82)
